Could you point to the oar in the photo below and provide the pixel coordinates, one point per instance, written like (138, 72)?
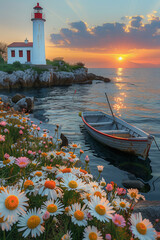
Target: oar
(114, 120)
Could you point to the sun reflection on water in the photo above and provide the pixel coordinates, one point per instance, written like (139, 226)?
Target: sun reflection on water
(119, 100)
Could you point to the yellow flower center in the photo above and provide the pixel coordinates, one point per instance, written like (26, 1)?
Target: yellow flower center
(73, 156)
(6, 161)
(133, 195)
(49, 168)
(88, 197)
(100, 209)
(39, 174)
(50, 184)
(74, 145)
(98, 194)
(79, 215)
(33, 221)
(28, 183)
(2, 220)
(73, 184)
(117, 221)
(93, 236)
(103, 184)
(141, 228)
(11, 202)
(122, 204)
(52, 208)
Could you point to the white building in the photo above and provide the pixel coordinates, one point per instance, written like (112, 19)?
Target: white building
(30, 52)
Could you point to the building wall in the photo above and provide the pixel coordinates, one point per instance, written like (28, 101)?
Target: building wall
(23, 59)
(38, 42)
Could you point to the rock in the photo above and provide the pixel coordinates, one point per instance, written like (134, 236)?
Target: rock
(149, 210)
(17, 97)
(128, 183)
(64, 140)
(26, 103)
(91, 76)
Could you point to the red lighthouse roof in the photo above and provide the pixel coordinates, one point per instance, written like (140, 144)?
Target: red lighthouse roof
(38, 7)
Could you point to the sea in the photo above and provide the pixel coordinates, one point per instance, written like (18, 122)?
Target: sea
(134, 95)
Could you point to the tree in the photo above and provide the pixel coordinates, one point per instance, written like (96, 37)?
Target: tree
(3, 50)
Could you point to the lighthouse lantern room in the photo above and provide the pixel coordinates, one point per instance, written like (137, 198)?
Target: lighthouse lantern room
(33, 53)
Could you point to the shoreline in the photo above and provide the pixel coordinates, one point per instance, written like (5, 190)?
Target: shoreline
(31, 78)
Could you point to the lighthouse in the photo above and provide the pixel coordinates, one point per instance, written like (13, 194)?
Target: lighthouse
(38, 55)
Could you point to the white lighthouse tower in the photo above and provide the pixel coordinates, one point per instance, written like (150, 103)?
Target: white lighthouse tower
(38, 19)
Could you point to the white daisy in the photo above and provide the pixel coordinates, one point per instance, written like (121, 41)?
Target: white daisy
(31, 222)
(13, 202)
(72, 183)
(121, 204)
(102, 183)
(49, 169)
(53, 207)
(38, 175)
(92, 233)
(5, 225)
(7, 162)
(133, 194)
(101, 209)
(50, 189)
(79, 214)
(99, 192)
(67, 236)
(142, 229)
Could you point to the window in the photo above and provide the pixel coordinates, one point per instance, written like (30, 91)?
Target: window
(12, 53)
(20, 53)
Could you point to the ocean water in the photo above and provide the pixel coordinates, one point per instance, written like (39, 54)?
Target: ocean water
(134, 95)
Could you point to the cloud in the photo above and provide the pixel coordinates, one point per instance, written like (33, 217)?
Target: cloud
(111, 36)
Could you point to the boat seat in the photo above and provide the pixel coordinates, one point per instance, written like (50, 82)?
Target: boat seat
(118, 133)
(100, 124)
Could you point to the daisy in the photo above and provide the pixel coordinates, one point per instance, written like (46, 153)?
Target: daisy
(54, 208)
(133, 194)
(142, 229)
(30, 186)
(22, 162)
(74, 146)
(13, 202)
(100, 208)
(49, 169)
(31, 223)
(72, 183)
(4, 224)
(79, 214)
(67, 236)
(7, 162)
(102, 183)
(99, 192)
(92, 233)
(119, 220)
(50, 189)
(38, 175)
(121, 204)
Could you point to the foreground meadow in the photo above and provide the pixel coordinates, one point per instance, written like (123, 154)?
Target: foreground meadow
(43, 194)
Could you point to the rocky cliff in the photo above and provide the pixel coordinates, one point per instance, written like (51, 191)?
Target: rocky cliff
(30, 78)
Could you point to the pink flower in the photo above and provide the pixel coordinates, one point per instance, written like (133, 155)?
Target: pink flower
(33, 153)
(119, 220)
(31, 121)
(3, 124)
(46, 216)
(108, 237)
(6, 130)
(40, 122)
(22, 127)
(22, 162)
(21, 132)
(46, 146)
(51, 160)
(2, 138)
(38, 128)
(6, 155)
(39, 151)
(51, 137)
(109, 187)
(121, 191)
(71, 160)
(29, 152)
(87, 159)
(89, 216)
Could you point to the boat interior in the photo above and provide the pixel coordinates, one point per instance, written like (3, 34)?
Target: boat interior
(106, 124)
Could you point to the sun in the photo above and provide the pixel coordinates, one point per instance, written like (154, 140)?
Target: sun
(120, 58)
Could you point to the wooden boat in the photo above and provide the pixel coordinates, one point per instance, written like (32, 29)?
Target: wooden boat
(116, 133)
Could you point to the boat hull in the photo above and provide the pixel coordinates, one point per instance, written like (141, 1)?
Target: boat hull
(139, 147)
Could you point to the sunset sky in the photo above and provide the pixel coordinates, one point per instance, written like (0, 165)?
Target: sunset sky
(100, 33)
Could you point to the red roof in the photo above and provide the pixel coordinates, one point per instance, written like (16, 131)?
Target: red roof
(21, 44)
(38, 7)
